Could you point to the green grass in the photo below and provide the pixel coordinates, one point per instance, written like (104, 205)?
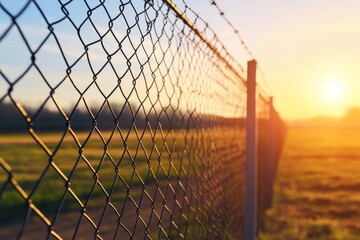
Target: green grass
(169, 163)
(317, 191)
(28, 162)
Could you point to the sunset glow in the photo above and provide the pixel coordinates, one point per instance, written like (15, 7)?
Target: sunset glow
(308, 50)
(334, 91)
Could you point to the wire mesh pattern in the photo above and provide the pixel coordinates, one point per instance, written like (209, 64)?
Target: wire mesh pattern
(119, 120)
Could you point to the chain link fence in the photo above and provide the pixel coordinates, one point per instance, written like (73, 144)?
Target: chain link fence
(119, 120)
(270, 139)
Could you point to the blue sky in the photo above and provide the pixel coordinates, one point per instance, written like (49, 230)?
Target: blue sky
(300, 45)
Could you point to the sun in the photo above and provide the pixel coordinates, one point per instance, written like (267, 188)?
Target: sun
(334, 91)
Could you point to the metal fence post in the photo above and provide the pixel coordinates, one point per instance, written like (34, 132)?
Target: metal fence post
(271, 151)
(251, 155)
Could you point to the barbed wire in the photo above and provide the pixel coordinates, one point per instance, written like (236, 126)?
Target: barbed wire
(264, 84)
(118, 120)
(213, 34)
(121, 110)
(235, 30)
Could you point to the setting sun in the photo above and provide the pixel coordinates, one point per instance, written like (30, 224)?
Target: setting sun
(334, 91)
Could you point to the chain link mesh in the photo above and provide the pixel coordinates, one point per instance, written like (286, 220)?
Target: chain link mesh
(118, 121)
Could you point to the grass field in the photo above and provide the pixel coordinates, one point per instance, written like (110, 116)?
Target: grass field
(122, 165)
(317, 191)
(149, 176)
(28, 161)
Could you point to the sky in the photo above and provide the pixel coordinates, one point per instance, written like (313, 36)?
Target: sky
(308, 50)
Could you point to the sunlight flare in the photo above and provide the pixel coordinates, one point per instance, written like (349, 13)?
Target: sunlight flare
(334, 90)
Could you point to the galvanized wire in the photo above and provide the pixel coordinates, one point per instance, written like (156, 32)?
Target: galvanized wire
(264, 84)
(120, 121)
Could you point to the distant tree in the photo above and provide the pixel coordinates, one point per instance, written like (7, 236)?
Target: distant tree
(107, 117)
(104, 118)
(352, 114)
(10, 118)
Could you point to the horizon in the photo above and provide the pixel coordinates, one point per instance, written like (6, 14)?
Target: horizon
(307, 52)
(158, 120)
(351, 114)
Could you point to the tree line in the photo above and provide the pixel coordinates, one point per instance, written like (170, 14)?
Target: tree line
(106, 118)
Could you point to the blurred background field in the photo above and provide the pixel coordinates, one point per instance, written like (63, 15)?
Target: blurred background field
(30, 163)
(108, 174)
(317, 190)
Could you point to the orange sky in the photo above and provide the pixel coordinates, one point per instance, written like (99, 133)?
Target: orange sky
(303, 47)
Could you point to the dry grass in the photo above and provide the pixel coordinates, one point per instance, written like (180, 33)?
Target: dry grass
(317, 191)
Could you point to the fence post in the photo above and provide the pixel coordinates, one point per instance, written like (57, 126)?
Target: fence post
(271, 151)
(251, 155)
